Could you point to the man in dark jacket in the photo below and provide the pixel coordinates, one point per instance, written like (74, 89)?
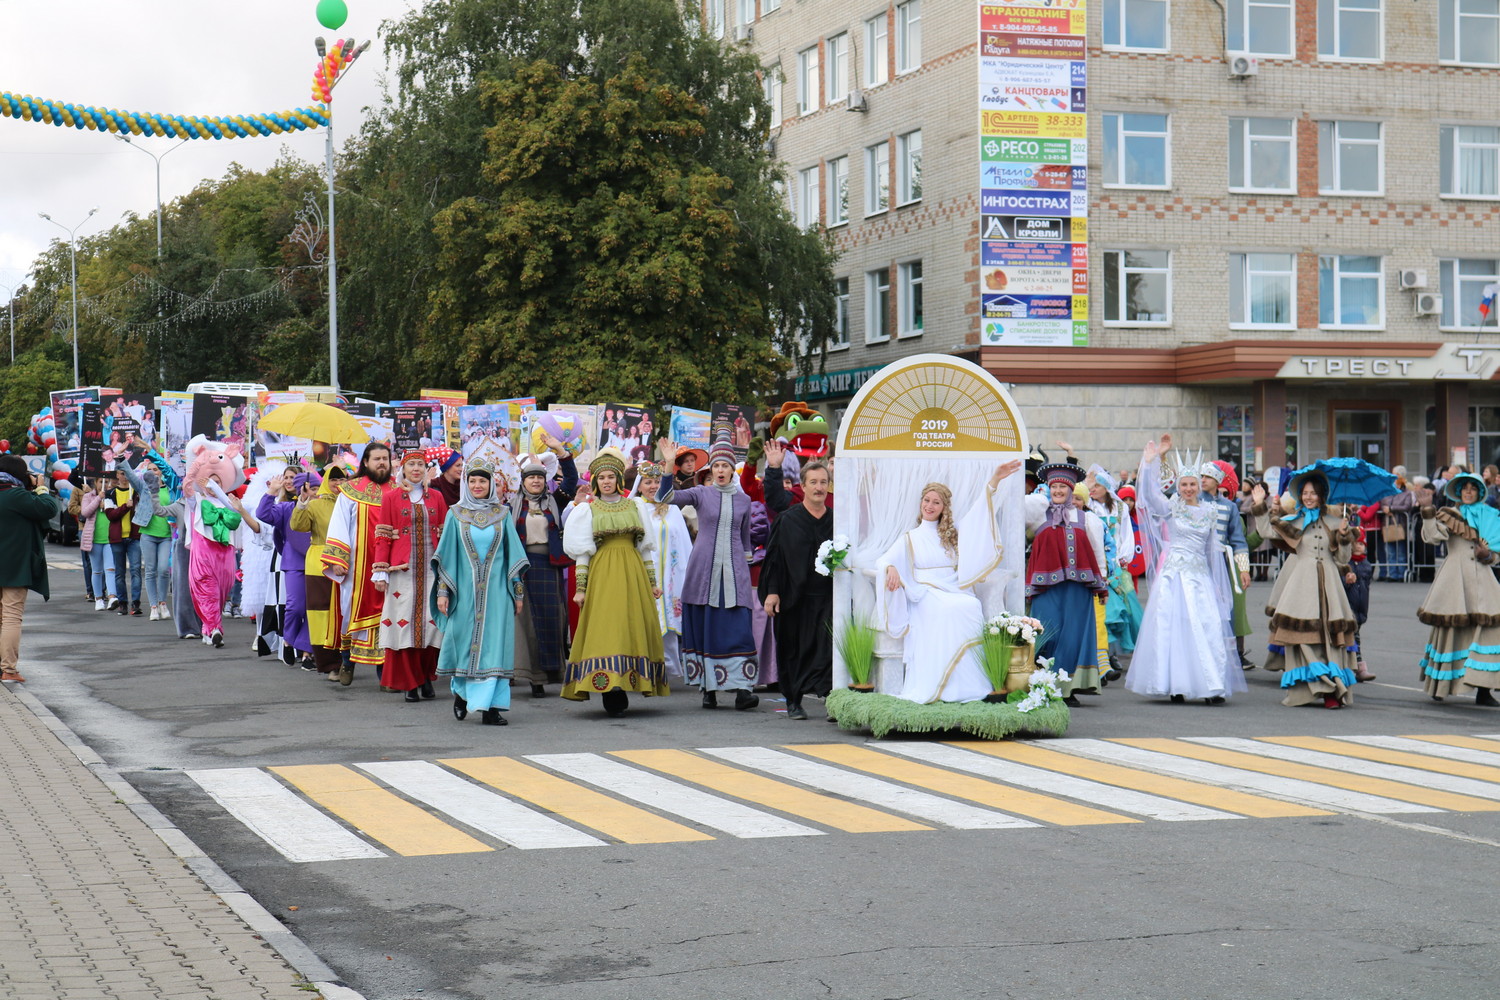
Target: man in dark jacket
(26, 506)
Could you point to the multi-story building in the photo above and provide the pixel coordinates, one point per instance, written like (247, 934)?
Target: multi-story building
(1289, 210)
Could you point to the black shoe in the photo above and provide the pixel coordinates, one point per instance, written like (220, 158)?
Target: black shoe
(123, 609)
(492, 717)
(412, 696)
(1484, 696)
(460, 708)
(135, 609)
(1178, 699)
(538, 691)
(745, 700)
(427, 693)
(1217, 699)
(1112, 674)
(796, 712)
(710, 699)
(1072, 701)
(615, 702)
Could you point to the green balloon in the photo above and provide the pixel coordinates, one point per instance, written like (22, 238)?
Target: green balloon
(332, 14)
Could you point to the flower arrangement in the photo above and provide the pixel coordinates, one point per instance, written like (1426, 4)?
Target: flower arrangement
(857, 646)
(1045, 687)
(999, 638)
(831, 555)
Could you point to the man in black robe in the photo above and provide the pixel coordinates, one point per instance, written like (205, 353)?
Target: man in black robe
(798, 599)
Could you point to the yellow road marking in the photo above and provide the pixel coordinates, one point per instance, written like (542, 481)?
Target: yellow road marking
(1337, 779)
(1470, 742)
(1362, 751)
(1227, 799)
(981, 790)
(403, 827)
(584, 806)
(765, 791)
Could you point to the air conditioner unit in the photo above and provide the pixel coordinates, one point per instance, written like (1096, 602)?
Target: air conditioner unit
(744, 33)
(857, 101)
(1241, 65)
(1413, 279)
(770, 145)
(1427, 303)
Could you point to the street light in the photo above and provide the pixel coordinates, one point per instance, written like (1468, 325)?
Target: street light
(158, 157)
(10, 304)
(350, 53)
(73, 267)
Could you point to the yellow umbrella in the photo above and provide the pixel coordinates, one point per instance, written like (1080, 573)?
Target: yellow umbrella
(316, 422)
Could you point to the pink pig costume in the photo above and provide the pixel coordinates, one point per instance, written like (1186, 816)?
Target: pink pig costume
(212, 521)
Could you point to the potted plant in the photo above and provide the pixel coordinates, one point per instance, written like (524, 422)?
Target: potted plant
(1006, 642)
(857, 646)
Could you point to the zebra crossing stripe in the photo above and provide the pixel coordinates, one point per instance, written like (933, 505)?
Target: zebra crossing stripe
(276, 815)
(1442, 790)
(1415, 755)
(1475, 750)
(485, 811)
(618, 820)
(726, 780)
(886, 794)
(1124, 799)
(671, 797)
(383, 815)
(1203, 768)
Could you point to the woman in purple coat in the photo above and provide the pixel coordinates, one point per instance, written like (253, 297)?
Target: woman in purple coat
(718, 642)
(276, 511)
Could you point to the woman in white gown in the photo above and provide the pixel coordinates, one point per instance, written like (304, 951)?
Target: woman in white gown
(1185, 648)
(928, 601)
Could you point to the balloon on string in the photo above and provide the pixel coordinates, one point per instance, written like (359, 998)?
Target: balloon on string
(332, 14)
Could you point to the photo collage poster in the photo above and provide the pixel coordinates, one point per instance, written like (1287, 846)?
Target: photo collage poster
(176, 428)
(484, 430)
(224, 418)
(269, 444)
(628, 428)
(521, 410)
(68, 420)
(689, 427)
(740, 419)
(451, 400)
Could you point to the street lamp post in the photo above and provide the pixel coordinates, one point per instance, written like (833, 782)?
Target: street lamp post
(10, 304)
(158, 157)
(73, 269)
(330, 71)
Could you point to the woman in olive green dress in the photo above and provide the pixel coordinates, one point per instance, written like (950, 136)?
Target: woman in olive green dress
(617, 647)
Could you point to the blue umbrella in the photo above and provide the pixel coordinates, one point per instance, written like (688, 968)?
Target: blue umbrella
(1352, 480)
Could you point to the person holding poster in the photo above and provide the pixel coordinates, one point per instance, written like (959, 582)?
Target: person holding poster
(406, 536)
(718, 642)
(617, 646)
(929, 601)
(347, 557)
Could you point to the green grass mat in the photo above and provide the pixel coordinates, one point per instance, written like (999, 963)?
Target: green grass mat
(883, 714)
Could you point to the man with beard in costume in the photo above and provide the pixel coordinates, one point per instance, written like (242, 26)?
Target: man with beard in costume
(410, 521)
(348, 555)
(798, 600)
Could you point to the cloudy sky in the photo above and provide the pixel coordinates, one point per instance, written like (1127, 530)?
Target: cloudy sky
(207, 57)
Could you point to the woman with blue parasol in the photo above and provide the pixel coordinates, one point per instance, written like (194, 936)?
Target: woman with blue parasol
(1463, 603)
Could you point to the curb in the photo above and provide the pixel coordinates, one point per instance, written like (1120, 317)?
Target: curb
(289, 946)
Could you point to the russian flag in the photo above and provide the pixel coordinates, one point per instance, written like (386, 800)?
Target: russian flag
(1488, 302)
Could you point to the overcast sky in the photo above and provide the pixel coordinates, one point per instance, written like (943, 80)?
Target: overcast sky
(205, 57)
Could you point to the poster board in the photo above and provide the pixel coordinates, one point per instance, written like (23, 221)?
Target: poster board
(176, 429)
(628, 428)
(68, 421)
(269, 444)
(451, 400)
(689, 427)
(584, 426)
(741, 422)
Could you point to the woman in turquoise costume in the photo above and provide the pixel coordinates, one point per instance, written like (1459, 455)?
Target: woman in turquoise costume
(479, 559)
(1463, 603)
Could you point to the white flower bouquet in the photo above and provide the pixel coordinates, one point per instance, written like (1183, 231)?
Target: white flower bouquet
(832, 555)
(999, 638)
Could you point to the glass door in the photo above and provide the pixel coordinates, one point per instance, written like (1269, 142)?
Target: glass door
(1363, 434)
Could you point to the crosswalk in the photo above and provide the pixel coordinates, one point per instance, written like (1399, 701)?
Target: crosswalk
(467, 805)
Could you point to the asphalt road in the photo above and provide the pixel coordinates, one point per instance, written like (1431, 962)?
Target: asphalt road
(1344, 903)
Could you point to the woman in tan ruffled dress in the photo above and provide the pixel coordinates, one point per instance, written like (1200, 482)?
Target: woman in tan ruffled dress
(1463, 603)
(1312, 624)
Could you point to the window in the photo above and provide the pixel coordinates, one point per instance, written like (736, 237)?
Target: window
(807, 197)
(1260, 27)
(1351, 292)
(1484, 435)
(1349, 29)
(838, 191)
(878, 305)
(1469, 161)
(714, 11)
(747, 11)
(836, 67)
(1469, 31)
(1135, 24)
(1237, 437)
(1464, 284)
(807, 80)
(771, 81)
(1135, 150)
(1260, 289)
(1349, 158)
(875, 50)
(1137, 288)
(908, 36)
(766, 6)
(840, 336)
(909, 167)
(877, 178)
(909, 298)
(1260, 155)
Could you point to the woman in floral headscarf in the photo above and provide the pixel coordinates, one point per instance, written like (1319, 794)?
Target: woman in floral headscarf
(1463, 603)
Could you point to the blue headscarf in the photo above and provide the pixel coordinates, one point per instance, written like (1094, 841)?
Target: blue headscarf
(1484, 519)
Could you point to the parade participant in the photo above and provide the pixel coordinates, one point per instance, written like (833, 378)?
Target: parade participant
(1063, 575)
(929, 602)
(799, 600)
(687, 464)
(617, 646)
(1358, 592)
(1235, 549)
(449, 479)
(213, 514)
(668, 530)
(26, 505)
(347, 558)
(718, 644)
(478, 598)
(1102, 655)
(152, 499)
(1312, 625)
(93, 538)
(542, 651)
(407, 529)
(311, 515)
(277, 509)
(124, 543)
(1136, 562)
(262, 583)
(1186, 645)
(1122, 609)
(1463, 603)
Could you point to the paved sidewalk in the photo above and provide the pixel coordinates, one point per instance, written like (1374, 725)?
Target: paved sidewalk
(94, 904)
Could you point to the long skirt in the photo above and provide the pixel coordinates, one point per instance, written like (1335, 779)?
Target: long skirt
(479, 695)
(804, 646)
(212, 578)
(408, 635)
(765, 644)
(409, 669)
(183, 615)
(1460, 659)
(617, 645)
(1310, 673)
(1066, 611)
(545, 620)
(1122, 613)
(718, 648)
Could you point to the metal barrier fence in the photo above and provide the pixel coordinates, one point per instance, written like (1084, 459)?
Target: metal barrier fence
(1410, 559)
